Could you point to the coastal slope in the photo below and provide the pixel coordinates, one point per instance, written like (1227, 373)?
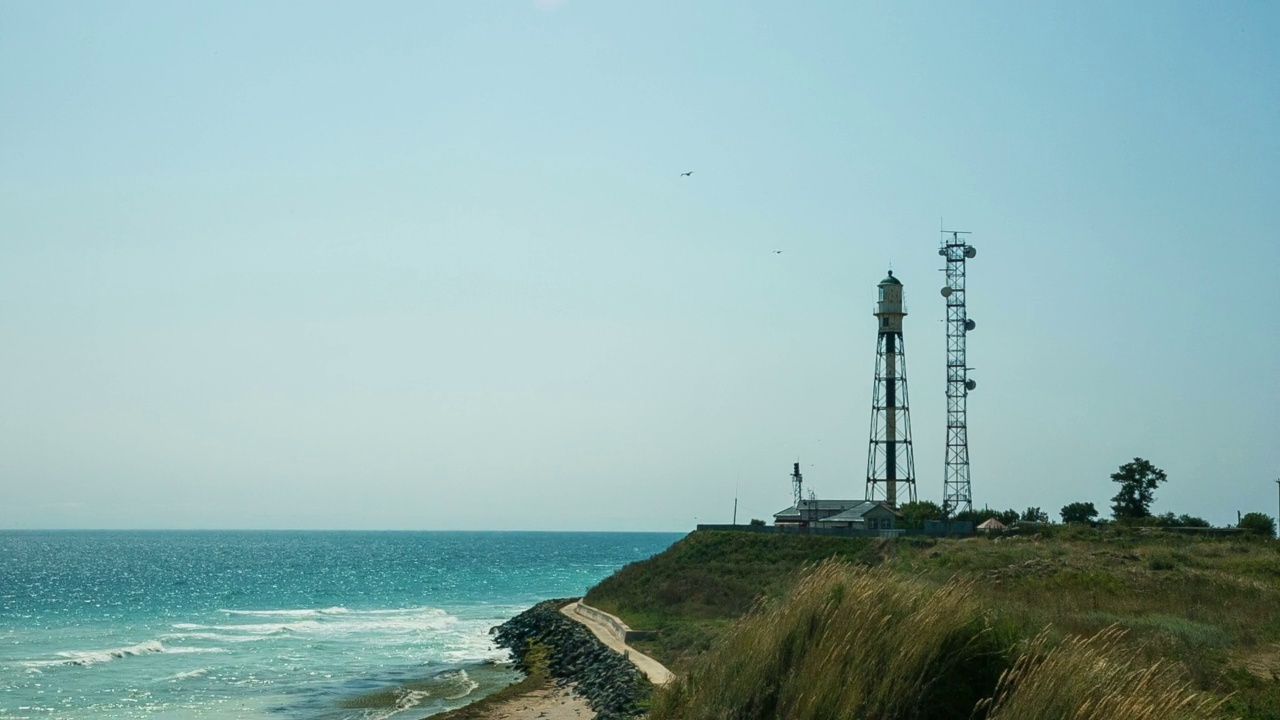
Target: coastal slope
(1202, 611)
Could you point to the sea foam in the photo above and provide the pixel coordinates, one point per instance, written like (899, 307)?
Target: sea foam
(189, 675)
(407, 700)
(388, 623)
(305, 612)
(85, 658)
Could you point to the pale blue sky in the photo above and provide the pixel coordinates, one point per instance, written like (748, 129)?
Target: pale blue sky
(431, 265)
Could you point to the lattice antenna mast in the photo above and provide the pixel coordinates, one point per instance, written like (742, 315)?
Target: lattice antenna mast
(957, 495)
(890, 459)
(797, 482)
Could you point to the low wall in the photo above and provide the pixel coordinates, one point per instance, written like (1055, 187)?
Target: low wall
(616, 627)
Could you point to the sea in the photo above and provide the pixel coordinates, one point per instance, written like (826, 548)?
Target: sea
(282, 625)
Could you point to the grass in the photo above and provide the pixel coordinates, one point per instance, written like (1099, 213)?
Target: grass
(870, 643)
(692, 592)
(848, 642)
(1189, 632)
(1205, 610)
(719, 574)
(1094, 678)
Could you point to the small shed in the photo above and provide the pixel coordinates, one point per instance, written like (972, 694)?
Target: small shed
(991, 525)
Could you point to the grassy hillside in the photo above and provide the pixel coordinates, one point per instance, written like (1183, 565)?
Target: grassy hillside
(1204, 611)
(693, 591)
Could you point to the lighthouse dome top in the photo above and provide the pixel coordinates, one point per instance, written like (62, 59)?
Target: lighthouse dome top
(891, 280)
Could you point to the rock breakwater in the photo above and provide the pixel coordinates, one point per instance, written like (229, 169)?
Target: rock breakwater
(611, 684)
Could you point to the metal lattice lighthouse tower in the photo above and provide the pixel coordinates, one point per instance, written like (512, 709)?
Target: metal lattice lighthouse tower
(957, 496)
(890, 461)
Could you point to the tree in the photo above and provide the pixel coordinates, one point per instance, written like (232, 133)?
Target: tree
(1079, 512)
(915, 514)
(1260, 523)
(1185, 520)
(1034, 514)
(1179, 521)
(1138, 481)
(757, 522)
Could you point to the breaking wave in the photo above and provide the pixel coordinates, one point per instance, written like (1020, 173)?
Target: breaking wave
(191, 674)
(406, 700)
(324, 623)
(85, 658)
(256, 628)
(464, 681)
(212, 636)
(337, 610)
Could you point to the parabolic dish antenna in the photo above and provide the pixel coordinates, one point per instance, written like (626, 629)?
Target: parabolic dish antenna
(971, 252)
(946, 292)
(969, 324)
(970, 384)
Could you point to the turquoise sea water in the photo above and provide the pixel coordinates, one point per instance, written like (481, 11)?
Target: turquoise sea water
(328, 625)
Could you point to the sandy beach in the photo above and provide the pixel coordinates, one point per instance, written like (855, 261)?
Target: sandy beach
(546, 703)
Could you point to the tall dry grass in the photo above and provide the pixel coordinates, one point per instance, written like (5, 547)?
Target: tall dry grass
(1093, 678)
(847, 643)
(870, 644)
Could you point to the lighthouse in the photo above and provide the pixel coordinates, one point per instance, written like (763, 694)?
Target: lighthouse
(890, 461)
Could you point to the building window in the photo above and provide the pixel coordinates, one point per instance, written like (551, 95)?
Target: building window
(884, 322)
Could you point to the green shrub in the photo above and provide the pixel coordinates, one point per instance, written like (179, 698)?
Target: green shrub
(1259, 523)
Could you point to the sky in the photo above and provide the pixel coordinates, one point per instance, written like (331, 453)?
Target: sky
(432, 265)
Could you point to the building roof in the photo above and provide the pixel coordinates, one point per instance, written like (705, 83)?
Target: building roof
(991, 524)
(891, 280)
(857, 513)
(812, 505)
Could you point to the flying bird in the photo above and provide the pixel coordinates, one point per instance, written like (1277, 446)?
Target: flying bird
(686, 174)
(777, 252)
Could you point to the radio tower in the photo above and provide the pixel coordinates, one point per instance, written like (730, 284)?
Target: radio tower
(890, 460)
(957, 496)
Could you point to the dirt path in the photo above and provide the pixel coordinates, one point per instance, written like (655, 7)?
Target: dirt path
(654, 670)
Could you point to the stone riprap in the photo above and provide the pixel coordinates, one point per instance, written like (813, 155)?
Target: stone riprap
(613, 686)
